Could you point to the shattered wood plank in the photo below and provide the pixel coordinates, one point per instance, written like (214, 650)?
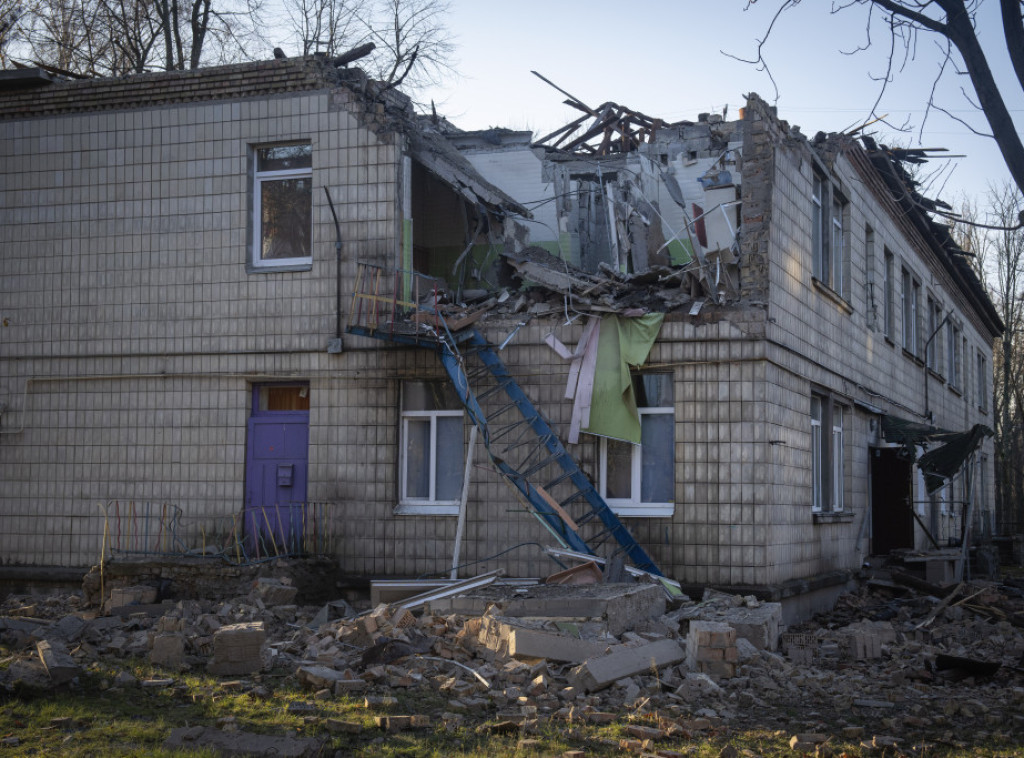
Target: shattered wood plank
(585, 387)
(557, 508)
(577, 357)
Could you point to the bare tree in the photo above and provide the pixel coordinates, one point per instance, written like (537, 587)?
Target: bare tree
(413, 44)
(11, 15)
(999, 258)
(114, 37)
(953, 24)
(327, 26)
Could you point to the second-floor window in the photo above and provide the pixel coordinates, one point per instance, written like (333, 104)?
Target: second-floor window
(982, 379)
(953, 355)
(888, 294)
(828, 235)
(910, 293)
(283, 206)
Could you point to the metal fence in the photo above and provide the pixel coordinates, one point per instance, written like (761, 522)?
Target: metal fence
(161, 529)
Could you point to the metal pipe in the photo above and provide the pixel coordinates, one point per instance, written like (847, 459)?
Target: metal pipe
(337, 252)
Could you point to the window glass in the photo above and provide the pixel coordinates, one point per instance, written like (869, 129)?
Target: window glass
(283, 205)
(429, 396)
(285, 157)
(417, 457)
(286, 206)
(619, 476)
(272, 397)
(433, 446)
(449, 455)
(653, 390)
(657, 470)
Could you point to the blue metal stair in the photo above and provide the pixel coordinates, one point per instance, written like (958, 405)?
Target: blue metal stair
(525, 449)
(523, 446)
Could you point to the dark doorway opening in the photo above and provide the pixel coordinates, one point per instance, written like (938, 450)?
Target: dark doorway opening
(892, 518)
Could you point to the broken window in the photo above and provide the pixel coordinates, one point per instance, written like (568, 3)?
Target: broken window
(639, 480)
(283, 206)
(432, 447)
(828, 471)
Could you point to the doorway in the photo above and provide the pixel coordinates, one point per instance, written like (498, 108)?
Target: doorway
(276, 465)
(892, 517)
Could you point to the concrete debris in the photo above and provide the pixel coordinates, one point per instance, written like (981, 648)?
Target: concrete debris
(58, 662)
(886, 663)
(238, 649)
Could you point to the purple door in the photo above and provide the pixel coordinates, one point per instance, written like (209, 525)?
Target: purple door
(276, 469)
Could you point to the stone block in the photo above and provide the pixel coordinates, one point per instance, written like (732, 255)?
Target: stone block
(238, 649)
(505, 638)
(168, 650)
(275, 592)
(598, 673)
(58, 663)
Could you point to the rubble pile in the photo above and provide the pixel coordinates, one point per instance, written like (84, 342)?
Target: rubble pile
(888, 663)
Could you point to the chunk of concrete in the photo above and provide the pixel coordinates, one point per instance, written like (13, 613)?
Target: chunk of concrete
(597, 673)
(168, 650)
(621, 606)
(238, 649)
(506, 638)
(274, 592)
(59, 664)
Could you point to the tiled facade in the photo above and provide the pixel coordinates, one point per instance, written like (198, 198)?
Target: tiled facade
(134, 331)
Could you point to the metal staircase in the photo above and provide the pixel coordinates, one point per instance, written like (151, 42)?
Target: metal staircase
(521, 443)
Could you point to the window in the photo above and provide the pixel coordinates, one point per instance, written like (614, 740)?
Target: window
(432, 448)
(981, 379)
(828, 240)
(910, 294)
(828, 469)
(933, 355)
(639, 480)
(888, 287)
(953, 354)
(283, 207)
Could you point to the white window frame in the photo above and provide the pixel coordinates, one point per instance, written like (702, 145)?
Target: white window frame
(838, 453)
(889, 274)
(256, 258)
(829, 209)
(634, 506)
(910, 294)
(429, 506)
(981, 372)
(954, 357)
(828, 454)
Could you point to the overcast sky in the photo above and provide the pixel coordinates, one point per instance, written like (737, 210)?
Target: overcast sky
(668, 59)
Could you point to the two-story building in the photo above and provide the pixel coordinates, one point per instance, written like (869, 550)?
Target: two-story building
(183, 366)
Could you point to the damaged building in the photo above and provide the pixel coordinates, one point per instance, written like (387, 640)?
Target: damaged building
(265, 310)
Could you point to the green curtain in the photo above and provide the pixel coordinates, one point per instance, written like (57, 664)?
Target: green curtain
(624, 342)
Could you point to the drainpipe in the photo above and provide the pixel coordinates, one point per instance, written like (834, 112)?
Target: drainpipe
(928, 413)
(335, 344)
